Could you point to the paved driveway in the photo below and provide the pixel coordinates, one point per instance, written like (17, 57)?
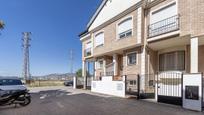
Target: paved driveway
(65, 101)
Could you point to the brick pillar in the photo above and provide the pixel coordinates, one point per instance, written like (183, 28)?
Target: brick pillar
(143, 69)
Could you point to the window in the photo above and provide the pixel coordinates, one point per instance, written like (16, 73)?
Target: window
(164, 20)
(131, 58)
(88, 45)
(100, 64)
(125, 28)
(164, 13)
(172, 61)
(99, 39)
(88, 49)
(133, 82)
(10, 82)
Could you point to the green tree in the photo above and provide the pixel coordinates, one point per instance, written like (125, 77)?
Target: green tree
(79, 73)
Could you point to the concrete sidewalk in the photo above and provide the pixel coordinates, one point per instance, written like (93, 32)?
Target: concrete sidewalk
(66, 89)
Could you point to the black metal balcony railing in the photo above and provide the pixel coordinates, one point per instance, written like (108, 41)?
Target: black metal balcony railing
(164, 26)
(87, 52)
(109, 73)
(125, 34)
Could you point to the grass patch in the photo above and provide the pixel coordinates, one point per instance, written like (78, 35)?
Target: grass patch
(43, 83)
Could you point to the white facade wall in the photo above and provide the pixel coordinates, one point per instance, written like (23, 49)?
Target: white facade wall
(109, 87)
(112, 9)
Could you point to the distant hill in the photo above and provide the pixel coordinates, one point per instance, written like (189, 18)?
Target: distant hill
(55, 76)
(9, 76)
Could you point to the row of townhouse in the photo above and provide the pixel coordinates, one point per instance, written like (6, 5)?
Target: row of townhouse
(130, 37)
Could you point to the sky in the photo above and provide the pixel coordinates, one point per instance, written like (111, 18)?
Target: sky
(55, 25)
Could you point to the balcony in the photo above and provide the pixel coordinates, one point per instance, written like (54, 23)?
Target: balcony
(87, 52)
(168, 25)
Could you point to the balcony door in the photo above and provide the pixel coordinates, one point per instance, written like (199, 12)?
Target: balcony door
(164, 20)
(163, 13)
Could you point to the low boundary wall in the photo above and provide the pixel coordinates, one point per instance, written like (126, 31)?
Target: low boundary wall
(108, 86)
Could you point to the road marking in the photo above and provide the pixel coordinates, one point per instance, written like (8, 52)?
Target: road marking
(43, 96)
(60, 105)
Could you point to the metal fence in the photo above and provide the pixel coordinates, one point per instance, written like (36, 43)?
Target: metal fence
(132, 84)
(149, 86)
(164, 26)
(81, 82)
(109, 73)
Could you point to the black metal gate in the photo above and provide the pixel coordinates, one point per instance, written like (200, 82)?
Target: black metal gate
(133, 85)
(149, 86)
(170, 87)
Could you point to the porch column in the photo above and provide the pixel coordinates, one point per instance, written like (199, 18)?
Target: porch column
(95, 66)
(84, 73)
(104, 66)
(115, 67)
(194, 55)
(75, 82)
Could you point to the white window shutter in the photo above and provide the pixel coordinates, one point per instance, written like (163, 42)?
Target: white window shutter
(88, 45)
(125, 26)
(164, 13)
(99, 39)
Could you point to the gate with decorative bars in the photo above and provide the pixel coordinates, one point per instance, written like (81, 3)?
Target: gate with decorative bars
(169, 89)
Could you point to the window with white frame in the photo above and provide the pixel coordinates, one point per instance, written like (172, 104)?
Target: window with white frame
(133, 83)
(88, 48)
(164, 20)
(99, 39)
(132, 58)
(125, 28)
(164, 13)
(99, 64)
(173, 61)
(88, 45)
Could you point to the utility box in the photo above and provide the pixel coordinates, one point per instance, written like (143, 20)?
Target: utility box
(193, 92)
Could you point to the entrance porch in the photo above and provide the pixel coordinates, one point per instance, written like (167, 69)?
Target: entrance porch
(169, 60)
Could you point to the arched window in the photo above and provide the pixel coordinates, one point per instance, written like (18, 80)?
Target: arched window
(125, 28)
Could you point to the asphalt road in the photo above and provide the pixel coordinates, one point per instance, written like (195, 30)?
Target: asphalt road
(71, 102)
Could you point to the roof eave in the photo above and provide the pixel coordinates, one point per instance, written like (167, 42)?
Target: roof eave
(96, 13)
